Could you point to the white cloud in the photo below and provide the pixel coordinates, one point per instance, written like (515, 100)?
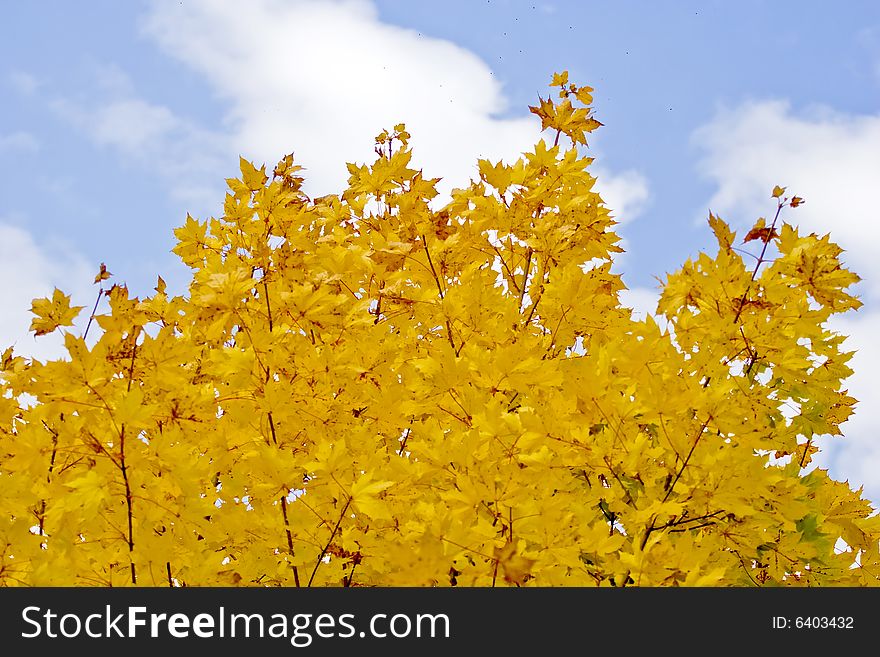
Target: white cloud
(19, 141)
(317, 78)
(857, 456)
(625, 193)
(187, 157)
(830, 159)
(833, 161)
(321, 79)
(642, 300)
(132, 125)
(32, 271)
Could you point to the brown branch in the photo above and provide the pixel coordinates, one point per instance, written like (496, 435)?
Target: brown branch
(806, 450)
(687, 459)
(403, 442)
(510, 275)
(131, 365)
(707, 523)
(275, 442)
(128, 503)
(431, 265)
(268, 307)
(460, 419)
(742, 300)
(272, 429)
(346, 581)
(543, 275)
(378, 308)
(289, 539)
(439, 290)
(651, 528)
(329, 541)
(94, 310)
(629, 499)
(526, 270)
(42, 514)
(124, 468)
(97, 444)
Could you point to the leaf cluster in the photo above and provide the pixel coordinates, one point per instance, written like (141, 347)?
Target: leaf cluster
(369, 389)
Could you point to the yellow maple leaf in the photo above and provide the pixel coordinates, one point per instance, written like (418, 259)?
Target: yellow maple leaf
(722, 231)
(52, 313)
(365, 488)
(87, 492)
(514, 566)
(559, 79)
(372, 388)
(252, 177)
(103, 274)
(364, 494)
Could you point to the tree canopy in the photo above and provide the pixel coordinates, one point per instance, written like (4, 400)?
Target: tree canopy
(377, 388)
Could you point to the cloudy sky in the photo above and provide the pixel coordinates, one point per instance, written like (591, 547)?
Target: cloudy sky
(119, 118)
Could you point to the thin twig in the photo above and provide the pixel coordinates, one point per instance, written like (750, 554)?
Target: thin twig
(289, 538)
(94, 310)
(329, 541)
(403, 442)
(124, 468)
(742, 300)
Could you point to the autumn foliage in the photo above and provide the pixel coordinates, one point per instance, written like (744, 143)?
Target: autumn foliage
(369, 389)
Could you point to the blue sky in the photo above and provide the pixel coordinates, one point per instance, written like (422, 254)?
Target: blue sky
(118, 118)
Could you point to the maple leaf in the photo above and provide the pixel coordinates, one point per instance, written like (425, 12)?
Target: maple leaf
(364, 494)
(252, 177)
(760, 231)
(88, 492)
(514, 566)
(52, 313)
(722, 231)
(375, 388)
(191, 238)
(559, 79)
(585, 95)
(545, 110)
(103, 274)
